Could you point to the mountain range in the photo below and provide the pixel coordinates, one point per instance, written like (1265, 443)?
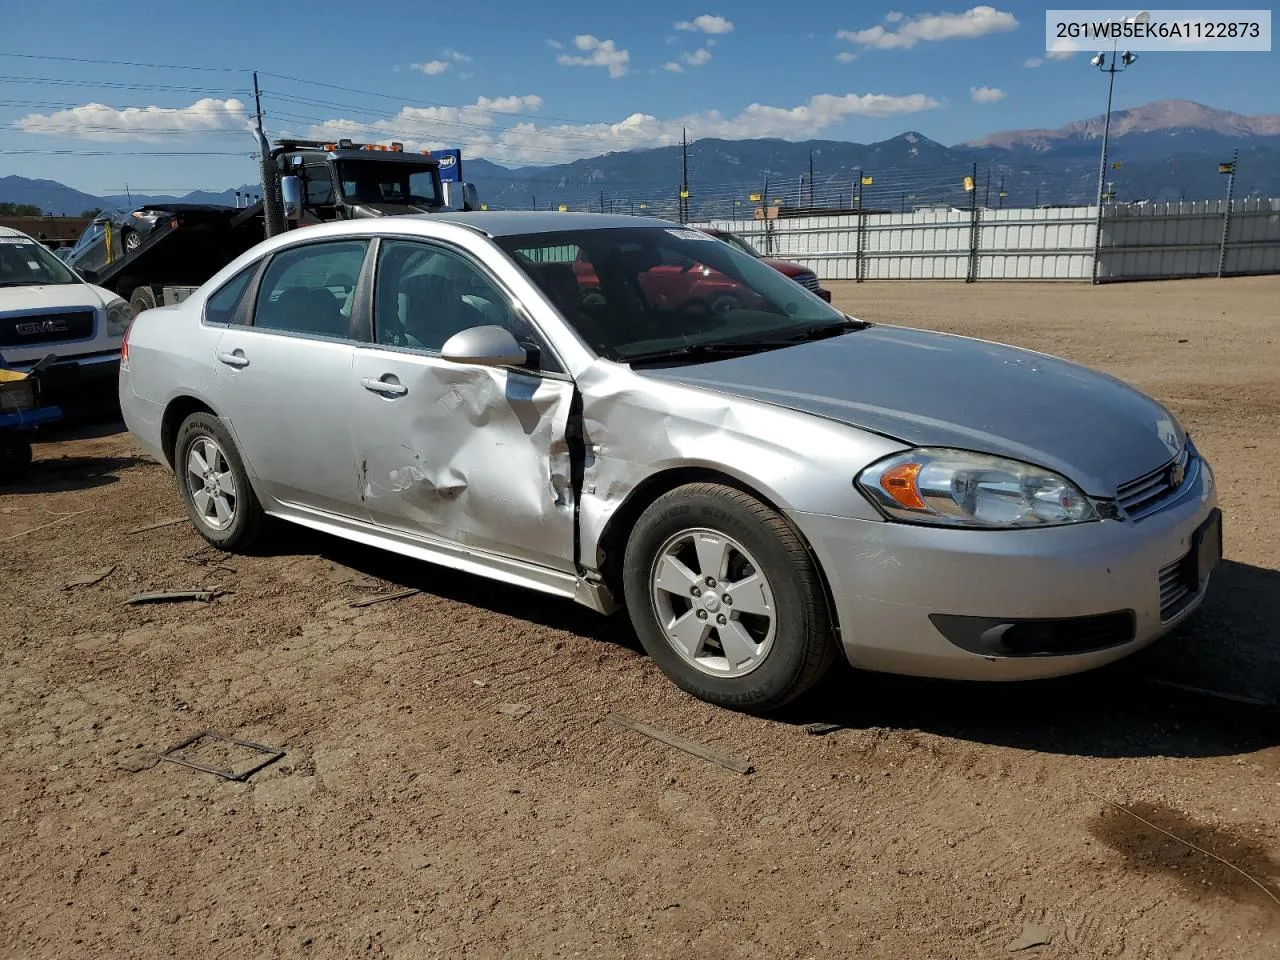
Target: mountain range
(1162, 151)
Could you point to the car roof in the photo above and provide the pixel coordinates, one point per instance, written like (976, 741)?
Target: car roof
(10, 232)
(514, 222)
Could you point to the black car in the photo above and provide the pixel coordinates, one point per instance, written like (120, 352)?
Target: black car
(123, 230)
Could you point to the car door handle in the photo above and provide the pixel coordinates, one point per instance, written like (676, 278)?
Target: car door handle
(236, 359)
(390, 388)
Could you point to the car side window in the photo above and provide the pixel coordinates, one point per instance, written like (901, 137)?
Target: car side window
(222, 305)
(424, 294)
(309, 289)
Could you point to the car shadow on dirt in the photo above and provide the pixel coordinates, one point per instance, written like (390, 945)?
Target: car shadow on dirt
(477, 591)
(66, 474)
(1211, 687)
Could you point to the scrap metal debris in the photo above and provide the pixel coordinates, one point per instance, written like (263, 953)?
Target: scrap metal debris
(174, 596)
(384, 597)
(700, 750)
(272, 755)
(1032, 936)
(90, 578)
(157, 525)
(820, 729)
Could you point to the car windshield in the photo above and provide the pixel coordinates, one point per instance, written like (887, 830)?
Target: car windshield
(368, 181)
(738, 242)
(25, 263)
(640, 293)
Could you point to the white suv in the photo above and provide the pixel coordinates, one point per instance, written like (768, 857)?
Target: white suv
(45, 307)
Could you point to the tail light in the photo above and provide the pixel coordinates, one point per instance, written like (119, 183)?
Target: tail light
(124, 346)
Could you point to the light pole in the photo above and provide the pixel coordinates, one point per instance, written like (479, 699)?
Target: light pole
(1110, 68)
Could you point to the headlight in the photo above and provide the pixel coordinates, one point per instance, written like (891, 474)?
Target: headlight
(956, 488)
(119, 315)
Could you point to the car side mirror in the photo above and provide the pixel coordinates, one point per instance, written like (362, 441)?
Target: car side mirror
(88, 276)
(486, 346)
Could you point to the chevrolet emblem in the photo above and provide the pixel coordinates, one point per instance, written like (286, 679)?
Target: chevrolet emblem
(1177, 474)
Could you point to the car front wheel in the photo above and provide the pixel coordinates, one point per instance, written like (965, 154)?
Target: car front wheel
(214, 484)
(726, 599)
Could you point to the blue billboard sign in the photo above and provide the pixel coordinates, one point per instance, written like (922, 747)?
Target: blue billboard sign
(450, 164)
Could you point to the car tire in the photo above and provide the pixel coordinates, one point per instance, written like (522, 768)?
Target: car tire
(142, 298)
(777, 640)
(227, 515)
(130, 240)
(725, 303)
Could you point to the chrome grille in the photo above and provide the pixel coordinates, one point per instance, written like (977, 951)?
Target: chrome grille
(808, 280)
(1175, 592)
(1143, 496)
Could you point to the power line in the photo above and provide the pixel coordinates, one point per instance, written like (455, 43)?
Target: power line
(121, 63)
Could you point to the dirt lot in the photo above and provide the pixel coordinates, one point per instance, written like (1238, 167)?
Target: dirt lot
(413, 816)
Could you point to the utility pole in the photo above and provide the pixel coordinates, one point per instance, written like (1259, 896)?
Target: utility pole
(534, 196)
(903, 208)
(684, 179)
(973, 227)
(602, 201)
(1226, 216)
(986, 197)
(1002, 193)
(810, 178)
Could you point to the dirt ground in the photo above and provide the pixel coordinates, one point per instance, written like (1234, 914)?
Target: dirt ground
(451, 785)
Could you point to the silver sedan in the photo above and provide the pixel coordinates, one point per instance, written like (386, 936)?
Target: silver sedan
(631, 413)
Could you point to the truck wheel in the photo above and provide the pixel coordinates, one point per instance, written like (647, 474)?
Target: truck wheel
(726, 599)
(214, 484)
(142, 298)
(15, 461)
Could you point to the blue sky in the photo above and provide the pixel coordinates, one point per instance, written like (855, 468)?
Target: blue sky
(545, 82)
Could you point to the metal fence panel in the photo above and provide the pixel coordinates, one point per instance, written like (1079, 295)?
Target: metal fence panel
(1054, 243)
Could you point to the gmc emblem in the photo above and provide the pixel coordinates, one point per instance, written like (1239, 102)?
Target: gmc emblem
(40, 326)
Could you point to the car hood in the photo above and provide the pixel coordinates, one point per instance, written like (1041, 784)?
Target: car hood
(50, 296)
(934, 389)
(785, 266)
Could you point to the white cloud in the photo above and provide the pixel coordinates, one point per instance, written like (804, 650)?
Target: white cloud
(986, 94)
(481, 129)
(706, 23)
(555, 44)
(96, 121)
(603, 53)
(434, 68)
(673, 67)
(846, 56)
(1032, 62)
(697, 58)
(894, 16)
(974, 22)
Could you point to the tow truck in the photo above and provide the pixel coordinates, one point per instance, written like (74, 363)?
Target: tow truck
(303, 182)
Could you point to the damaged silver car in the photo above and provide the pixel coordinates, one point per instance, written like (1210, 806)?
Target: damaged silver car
(629, 412)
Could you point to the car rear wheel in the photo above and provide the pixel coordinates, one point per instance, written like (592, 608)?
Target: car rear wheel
(726, 599)
(214, 485)
(130, 240)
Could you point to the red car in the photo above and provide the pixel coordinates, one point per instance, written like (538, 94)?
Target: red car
(678, 283)
(800, 274)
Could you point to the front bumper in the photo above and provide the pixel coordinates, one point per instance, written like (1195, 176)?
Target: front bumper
(893, 583)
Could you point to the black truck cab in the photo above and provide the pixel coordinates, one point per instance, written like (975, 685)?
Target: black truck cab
(343, 180)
